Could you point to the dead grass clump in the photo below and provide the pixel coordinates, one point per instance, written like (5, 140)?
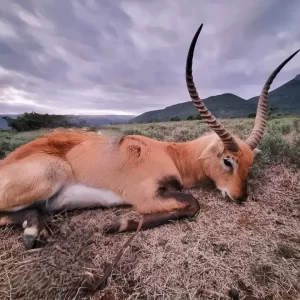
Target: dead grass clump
(296, 125)
(286, 129)
(287, 252)
(263, 274)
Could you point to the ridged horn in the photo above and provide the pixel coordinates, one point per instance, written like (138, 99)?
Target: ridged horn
(261, 113)
(229, 142)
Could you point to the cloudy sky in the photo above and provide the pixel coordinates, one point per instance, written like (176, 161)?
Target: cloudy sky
(128, 57)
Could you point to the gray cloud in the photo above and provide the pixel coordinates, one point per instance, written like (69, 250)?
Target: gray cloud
(128, 56)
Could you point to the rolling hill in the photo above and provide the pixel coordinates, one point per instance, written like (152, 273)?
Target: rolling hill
(285, 97)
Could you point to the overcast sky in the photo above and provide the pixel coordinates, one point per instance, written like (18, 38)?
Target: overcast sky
(128, 57)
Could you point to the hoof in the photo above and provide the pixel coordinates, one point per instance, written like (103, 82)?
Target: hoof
(34, 239)
(29, 241)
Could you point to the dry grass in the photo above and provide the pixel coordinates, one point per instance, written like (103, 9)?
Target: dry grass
(253, 248)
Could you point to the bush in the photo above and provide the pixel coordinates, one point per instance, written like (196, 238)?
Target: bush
(190, 118)
(276, 149)
(34, 121)
(252, 115)
(175, 118)
(132, 132)
(4, 148)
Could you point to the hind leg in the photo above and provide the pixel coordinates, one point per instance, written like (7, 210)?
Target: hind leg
(35, 233)
(22, 186)
(175, 206)
(31, 179)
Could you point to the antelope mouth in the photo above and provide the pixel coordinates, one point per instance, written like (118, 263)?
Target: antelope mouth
(225, 193)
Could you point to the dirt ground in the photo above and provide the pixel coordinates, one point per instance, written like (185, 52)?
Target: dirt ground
(253, 248)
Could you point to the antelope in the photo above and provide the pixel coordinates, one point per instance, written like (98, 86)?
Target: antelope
(65, 170)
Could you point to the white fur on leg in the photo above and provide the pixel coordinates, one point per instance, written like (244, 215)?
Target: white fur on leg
(24, 225)
(80, 196)
(32, 231)
(30, 236)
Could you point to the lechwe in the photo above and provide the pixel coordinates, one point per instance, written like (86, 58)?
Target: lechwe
(76, 169)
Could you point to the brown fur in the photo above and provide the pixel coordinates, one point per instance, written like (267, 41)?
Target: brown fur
(5, 221)
(57, 143)
(130, 168)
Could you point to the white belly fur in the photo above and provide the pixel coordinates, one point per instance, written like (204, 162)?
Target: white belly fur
(80, 196)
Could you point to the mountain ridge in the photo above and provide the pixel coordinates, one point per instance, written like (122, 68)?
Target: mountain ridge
(286, 97)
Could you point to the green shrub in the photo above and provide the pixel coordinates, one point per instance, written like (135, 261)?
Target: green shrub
(276, 149)
(132, 132)
(175, 118)
(252, 115)
(34, 121)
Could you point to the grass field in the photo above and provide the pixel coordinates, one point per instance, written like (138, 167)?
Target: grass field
(253, 248)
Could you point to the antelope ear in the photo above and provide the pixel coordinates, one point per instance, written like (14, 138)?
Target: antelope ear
(215, 149)
(256, 151)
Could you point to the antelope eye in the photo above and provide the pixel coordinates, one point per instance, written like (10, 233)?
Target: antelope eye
(227, 163)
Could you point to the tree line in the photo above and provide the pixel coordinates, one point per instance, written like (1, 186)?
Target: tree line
(35, 121)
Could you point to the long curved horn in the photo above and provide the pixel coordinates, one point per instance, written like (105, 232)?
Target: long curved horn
(261, 114)
(229, 142)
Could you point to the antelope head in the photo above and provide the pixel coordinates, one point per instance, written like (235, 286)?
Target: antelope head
(226, 159)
